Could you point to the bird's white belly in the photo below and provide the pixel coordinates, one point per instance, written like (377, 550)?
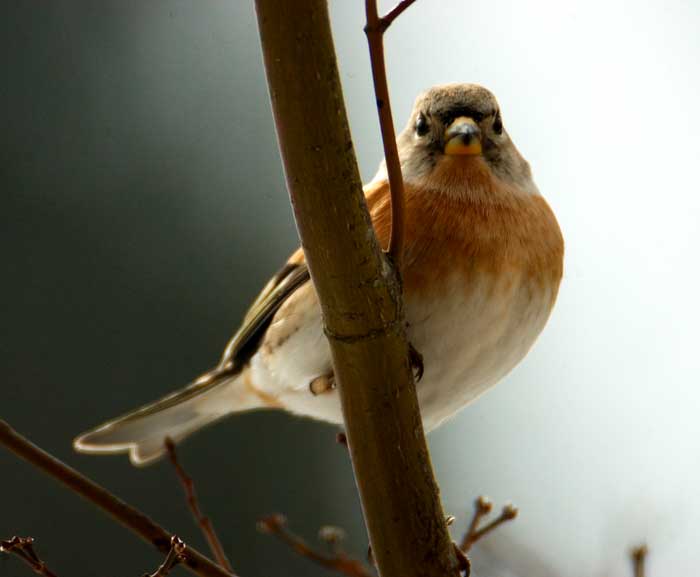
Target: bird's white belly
(469, 339)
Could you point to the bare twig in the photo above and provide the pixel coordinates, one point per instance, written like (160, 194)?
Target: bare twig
(639, 555)
(374, 30)
(339, 561)
(175, 555)
(482, 508)
(332, 536)
(122, 512)
(202, 520)
(23, 547)
(394, 13)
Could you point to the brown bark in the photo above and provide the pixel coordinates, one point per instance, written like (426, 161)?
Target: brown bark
(359, 293)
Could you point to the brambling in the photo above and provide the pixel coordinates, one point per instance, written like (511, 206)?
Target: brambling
(483, 260)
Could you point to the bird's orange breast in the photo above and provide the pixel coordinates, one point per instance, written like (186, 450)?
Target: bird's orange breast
(493, 231)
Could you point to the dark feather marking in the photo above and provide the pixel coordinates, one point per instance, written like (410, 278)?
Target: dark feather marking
(238, 352)
(246, 341)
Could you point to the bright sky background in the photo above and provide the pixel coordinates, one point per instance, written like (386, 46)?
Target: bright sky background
(595, 436)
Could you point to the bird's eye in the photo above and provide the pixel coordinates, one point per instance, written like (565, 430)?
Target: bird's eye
(498, 123)
(422, 126)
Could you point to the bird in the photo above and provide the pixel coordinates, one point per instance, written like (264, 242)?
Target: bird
(482, 264)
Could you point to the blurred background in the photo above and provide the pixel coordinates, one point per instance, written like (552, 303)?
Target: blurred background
(143, 206)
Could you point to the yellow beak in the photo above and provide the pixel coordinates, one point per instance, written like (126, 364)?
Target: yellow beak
(463, 137)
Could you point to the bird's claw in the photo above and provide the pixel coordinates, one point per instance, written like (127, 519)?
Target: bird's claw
(416, 360)
(322, 384)
(463, 563)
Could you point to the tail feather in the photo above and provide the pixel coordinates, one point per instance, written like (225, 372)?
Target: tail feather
(142, 433)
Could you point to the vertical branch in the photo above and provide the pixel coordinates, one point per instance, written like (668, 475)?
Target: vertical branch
(120, 511)
(359, 293)
(639, 555)
(374, 30)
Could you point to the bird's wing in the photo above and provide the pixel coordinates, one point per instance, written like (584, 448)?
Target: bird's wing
(245, 342)
(241, 347)
(118, 434)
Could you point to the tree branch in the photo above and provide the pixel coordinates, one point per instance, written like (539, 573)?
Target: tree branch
(359, 292)
(394, 13)
(122, 512)
(374, 30)
(23, 547)
(175, 556)
(277, 525)
(204, 522)
(482, 508)
(639, 556)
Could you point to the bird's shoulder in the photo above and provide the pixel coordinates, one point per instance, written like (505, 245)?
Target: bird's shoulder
(288, 289)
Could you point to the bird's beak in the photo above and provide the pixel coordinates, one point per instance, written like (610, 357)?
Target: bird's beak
(463, 137)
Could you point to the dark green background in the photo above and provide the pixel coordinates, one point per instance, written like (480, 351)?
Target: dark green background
(143, 206)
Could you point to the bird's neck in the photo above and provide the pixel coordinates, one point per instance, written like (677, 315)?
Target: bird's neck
(470, 178)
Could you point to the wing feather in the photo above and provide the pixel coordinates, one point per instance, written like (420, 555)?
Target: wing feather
(238, 352)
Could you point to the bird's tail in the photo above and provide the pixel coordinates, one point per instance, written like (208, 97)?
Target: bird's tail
(142, 433)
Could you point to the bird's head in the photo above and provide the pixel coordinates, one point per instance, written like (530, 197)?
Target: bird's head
(455, 138)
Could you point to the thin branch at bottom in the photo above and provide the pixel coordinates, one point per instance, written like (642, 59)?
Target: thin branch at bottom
(339, 561)
(475, 531)
(175, 556)
(201, 519)
(120, 511)
(23, 547)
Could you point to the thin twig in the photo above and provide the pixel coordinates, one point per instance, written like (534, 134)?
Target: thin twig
(339, 561)
(122, 512)
(200, 518)
(394, 13)
(482, 508)
(175, 556)
(23, 547)
(374, 30)
(639, 555)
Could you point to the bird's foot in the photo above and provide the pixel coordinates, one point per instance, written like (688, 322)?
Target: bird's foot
(416, 360)
(322, 384)
(463, 563)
